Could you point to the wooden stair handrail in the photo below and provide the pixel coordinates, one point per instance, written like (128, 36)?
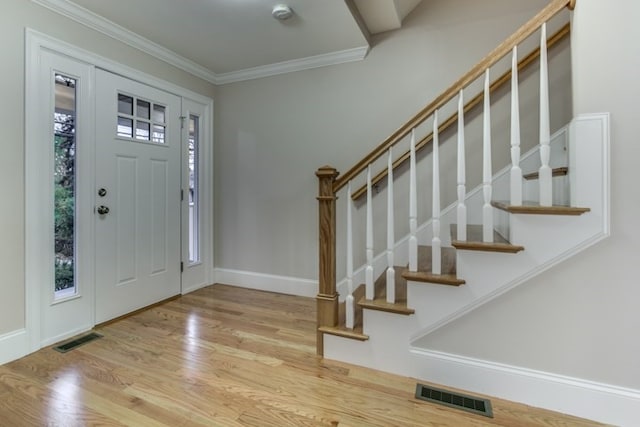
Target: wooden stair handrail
(451, 120)
(553, 8)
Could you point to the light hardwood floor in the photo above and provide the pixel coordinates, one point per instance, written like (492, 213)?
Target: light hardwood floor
(223, 356)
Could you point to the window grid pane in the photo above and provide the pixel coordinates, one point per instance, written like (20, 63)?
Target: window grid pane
(142, 130)
(158, 113)
(158, 134)
(125, 127)
(125, 104)
(143, 111)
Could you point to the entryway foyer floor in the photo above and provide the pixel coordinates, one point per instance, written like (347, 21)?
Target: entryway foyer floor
(223, 356)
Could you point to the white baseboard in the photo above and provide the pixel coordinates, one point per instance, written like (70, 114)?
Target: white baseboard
(267, 282)
(13, 345)
(574, 396)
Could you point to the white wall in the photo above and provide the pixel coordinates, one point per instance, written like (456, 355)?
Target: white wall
(15, 16)
(272, 134)
(581, 318)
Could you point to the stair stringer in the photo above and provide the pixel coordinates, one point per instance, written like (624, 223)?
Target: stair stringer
(396, 341)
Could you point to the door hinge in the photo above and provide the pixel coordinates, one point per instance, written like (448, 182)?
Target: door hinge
(182, 119)
(181, 267)
(181, 195)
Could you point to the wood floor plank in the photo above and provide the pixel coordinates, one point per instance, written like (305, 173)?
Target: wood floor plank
(223, 356)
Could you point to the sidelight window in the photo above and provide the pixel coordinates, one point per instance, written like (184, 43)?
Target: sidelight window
(64, 148)
(194, 143)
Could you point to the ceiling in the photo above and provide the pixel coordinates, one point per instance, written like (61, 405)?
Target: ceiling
(231, 40)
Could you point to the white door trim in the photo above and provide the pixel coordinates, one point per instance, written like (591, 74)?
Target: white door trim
(35, 218)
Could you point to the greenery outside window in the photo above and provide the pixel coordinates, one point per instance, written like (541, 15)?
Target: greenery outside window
(64, 141)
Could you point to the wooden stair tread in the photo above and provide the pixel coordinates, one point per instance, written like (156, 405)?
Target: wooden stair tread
(563, 171)
(379, 301)
(474, 241)
(341, 330)
(535, 208)
(448, 276)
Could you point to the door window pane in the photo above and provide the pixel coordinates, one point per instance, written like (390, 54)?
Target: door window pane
(143, 110)
(64, 144)
(125, 104)
(158, 134)
(142, 131)
(125, 127)
(194, 221)
(158, 113)
(147, 123)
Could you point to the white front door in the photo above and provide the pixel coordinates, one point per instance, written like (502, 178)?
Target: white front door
(138, 198)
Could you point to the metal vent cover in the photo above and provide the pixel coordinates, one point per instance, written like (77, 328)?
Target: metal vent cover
(70, 345)
(454, 400)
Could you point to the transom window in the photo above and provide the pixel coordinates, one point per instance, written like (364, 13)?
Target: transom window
(141, 119)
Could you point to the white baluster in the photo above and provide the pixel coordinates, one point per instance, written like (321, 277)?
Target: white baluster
(436, 251)
(391, 273)
(545, 133)
(413, 209)
(462, 190)
(368, 275)
(487, 210)
(516, 172)
(350, 308)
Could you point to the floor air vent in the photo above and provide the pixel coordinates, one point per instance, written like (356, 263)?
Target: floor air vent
(68, 346)
(454, 400)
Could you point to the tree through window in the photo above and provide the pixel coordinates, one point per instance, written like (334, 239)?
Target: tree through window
(64, 141)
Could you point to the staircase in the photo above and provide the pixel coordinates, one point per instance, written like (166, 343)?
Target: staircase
(511, 227)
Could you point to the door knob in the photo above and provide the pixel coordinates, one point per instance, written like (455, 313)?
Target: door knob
(103, 210)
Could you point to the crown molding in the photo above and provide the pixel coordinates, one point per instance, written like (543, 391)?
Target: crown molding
(98, 23)
(316, 61)
(117, 32)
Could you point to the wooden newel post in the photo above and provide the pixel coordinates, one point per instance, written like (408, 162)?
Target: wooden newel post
(327, 299)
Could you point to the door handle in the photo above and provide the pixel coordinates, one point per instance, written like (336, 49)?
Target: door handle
(103, 210)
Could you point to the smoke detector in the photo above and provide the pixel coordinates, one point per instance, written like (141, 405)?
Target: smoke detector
(282, 12)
